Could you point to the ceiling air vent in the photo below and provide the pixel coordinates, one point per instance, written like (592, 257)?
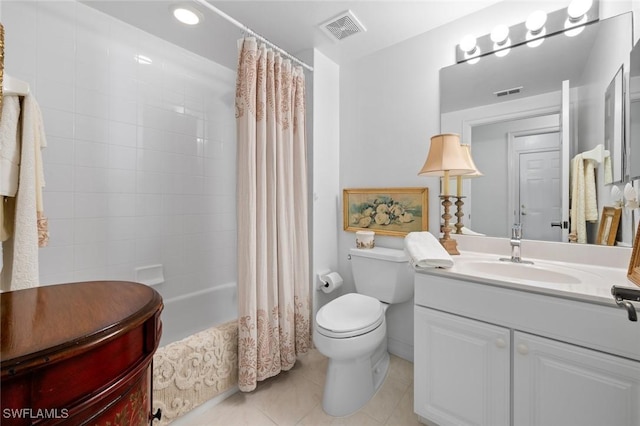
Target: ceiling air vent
(342, 26)
(507, 92)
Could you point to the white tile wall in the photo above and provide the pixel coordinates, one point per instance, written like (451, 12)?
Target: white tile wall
(140, 163)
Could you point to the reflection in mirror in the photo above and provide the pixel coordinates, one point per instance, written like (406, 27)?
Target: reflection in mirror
(510, 110)
(609, 226)
(613, 126)
(634, 113)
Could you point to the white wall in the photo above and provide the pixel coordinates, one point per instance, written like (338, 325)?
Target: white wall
(324, 163)
(140, 164)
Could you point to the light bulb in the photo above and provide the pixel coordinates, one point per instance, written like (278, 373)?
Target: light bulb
(535, 22)
(468, 43)
(572, 29)
(474, 60)
(503, 52)
(537, 39)
(577, 8)
(500, 34)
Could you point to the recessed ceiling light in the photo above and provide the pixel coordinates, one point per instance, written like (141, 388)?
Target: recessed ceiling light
(186, 15)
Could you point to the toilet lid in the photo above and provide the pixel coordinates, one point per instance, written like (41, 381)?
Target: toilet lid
(351, 314)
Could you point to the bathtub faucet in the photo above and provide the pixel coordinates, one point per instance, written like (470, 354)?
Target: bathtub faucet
(516, 237)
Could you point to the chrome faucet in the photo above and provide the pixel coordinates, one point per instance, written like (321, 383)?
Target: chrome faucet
(516, 236)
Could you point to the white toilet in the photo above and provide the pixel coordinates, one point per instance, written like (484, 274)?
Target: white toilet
(352, 331)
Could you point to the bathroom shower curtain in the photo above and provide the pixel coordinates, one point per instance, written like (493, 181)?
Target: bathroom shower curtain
(273, 253)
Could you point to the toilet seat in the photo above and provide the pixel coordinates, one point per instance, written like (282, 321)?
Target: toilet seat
(350, 315)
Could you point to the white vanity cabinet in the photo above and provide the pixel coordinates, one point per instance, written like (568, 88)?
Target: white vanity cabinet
(492, 355)
(556, 383)
(461, 360)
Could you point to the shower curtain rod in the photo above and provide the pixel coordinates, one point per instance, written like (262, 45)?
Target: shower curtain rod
(243, 27)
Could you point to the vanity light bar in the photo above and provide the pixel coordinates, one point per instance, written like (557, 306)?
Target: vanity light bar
(518, 34)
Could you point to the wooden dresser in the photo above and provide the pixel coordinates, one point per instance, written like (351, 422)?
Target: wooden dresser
(79, 353)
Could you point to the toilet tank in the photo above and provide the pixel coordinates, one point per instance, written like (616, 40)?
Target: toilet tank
(383, 273)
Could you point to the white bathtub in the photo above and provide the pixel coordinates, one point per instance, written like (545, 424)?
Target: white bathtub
(197, 361)
(186, 315)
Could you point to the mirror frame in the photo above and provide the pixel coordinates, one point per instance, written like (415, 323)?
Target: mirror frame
(633, 274)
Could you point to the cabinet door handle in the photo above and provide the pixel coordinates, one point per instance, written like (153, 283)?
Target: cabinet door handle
(523, 349)
(500, 342)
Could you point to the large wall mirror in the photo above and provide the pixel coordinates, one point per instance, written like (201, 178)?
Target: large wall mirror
(526, 115)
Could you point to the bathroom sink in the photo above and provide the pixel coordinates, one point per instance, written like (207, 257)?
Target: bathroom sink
(542, 273)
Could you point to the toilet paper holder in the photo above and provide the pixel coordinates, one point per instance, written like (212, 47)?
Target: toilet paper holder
(329, 281)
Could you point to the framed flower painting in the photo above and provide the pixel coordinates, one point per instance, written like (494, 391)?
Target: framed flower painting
(386, 211)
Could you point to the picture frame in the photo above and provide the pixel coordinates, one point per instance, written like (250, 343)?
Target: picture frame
(609, 222)
(614, 125)
(386, 211)
(633, 274)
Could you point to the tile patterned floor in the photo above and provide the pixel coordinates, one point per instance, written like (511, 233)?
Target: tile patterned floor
(295, 398)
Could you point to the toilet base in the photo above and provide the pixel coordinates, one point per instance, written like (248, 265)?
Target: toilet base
(351, 383)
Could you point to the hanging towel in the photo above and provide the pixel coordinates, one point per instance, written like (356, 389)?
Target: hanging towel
(584, 204)
(9, 146)
(590, 197)
(21, 252)
(578, 226)
(608, 173)
(425, 251)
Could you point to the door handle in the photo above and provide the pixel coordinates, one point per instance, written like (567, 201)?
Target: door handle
(558, 224)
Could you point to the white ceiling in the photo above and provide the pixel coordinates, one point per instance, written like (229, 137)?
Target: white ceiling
(292, 25)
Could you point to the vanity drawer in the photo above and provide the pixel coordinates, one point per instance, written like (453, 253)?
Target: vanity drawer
(600, 327)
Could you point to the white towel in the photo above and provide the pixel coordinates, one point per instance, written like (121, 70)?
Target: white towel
(21, 253)
(608, 173)
(425, 251)
(467, 231)
(578, 224)
(590, 197)
(584, 203)
(9, 146)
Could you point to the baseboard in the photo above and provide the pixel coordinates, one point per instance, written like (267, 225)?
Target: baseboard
(400, 349)
(187, 418)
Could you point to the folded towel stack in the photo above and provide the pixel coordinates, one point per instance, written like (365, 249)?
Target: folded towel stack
(425, 251)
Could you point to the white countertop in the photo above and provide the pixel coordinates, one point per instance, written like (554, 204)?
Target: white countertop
(585, 282)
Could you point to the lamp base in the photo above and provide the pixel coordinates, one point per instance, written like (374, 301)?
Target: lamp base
(446, 241)
(459, 214)
(451, 246)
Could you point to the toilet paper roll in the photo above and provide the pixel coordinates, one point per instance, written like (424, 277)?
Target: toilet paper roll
(330, 282)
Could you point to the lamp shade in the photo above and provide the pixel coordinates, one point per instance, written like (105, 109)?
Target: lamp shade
(467, 152)
(446, 155)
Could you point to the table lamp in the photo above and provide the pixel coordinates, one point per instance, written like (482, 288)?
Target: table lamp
(446, 158)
